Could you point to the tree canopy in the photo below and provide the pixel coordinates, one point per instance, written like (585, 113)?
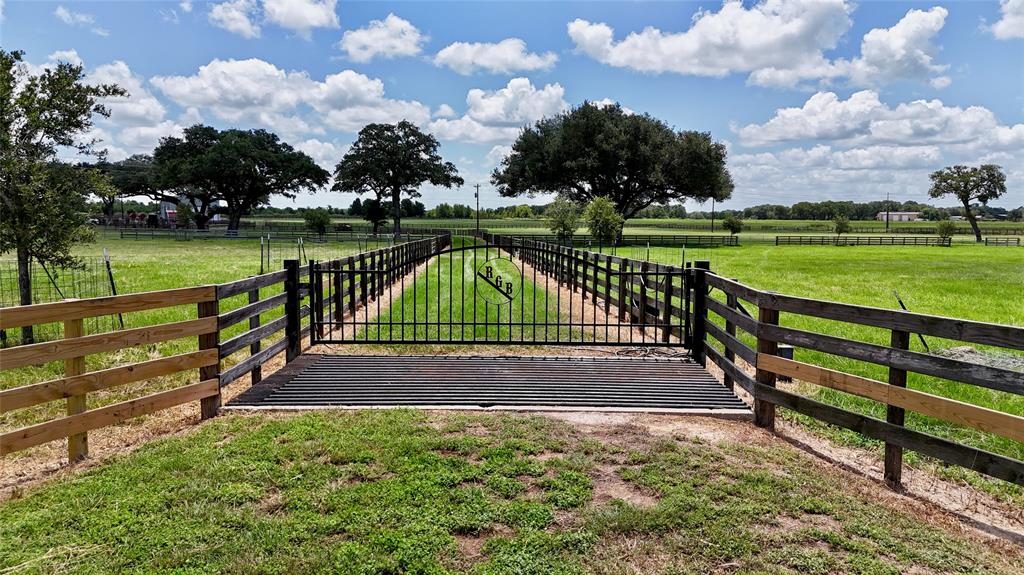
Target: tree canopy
(392, 160)
(131, 176)
(969, 184)
(242, 168)
(601, 151)
(43, 201)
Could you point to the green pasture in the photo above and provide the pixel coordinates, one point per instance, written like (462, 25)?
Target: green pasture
(965, 281)
(403, 491)
(971, 282)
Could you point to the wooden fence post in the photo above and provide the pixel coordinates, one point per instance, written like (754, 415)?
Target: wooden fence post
(624, 267)
(700, 311)
(896, 415)
(256, 375)
(293, 328)
(78, 444)
(336, 291)
(608, 285)
(209, 406)
(351, 285)
(316, 299)
(764, 412)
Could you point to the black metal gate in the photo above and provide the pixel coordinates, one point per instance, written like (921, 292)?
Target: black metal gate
(473, 292)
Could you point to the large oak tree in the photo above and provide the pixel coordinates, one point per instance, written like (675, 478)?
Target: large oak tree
(633, 160)
(42, 202)
(392, 160)
(968, 184)
(242, 168)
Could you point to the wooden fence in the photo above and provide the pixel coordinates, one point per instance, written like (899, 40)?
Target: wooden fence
(713, 308)
(1002, 241)
(861, 241)
(208, 326)
(690, 241)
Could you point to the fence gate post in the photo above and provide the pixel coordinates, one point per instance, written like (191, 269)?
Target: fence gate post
(78, 444)
(208, 406)
(256, 375)
(700, 310)
(896, 415)
(764, 412)
(292, 329)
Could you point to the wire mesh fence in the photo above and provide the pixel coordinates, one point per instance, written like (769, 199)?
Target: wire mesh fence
(273, 251)
(50, 284)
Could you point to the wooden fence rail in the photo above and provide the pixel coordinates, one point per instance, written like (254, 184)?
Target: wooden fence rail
(207, 328)
(698, 301)
(862, 241)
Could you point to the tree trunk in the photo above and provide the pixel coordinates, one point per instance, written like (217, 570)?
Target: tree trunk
(25, 288)
(396, 207)
(973, 221)
(234, 219)
(201, 221)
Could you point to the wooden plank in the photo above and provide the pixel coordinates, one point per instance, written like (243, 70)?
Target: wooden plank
(226, 320)
(110, 415)
(11, 317)
(735, 288)
(732, 370)
(731, 343)
(733, 316)
(923, 363)
(958, 412)
(245, 339)
(78, 444)
(998, 466)
(949, 328)
(239, 369)
(29, 395)
(241, 286)
(39, 353)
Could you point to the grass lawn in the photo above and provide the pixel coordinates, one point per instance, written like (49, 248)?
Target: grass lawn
(389, 492)
(971, 282)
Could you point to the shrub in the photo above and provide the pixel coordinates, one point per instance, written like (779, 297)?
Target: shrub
(563, 218)
(945, 229)
(604, 221)
(733, 224)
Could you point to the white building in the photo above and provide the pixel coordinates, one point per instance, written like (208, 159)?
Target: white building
(899, 216)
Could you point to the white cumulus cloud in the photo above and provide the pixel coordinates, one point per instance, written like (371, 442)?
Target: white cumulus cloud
(863, 119)
(499, 115)
(301, 16)
(780, 43)
(237, 17)
(1011, 22)
(256, 92)
(508, 56)
(388, 38)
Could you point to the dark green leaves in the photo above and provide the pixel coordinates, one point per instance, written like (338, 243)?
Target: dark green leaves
(633, 160)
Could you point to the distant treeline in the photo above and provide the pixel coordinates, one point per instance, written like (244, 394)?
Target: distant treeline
(827, 210)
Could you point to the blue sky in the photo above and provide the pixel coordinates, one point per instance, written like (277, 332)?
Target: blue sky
(817, 99)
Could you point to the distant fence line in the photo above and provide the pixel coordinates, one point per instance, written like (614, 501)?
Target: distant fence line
(861, 241)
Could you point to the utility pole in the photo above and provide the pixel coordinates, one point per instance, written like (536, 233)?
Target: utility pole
(477, 186)
(888, 210)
